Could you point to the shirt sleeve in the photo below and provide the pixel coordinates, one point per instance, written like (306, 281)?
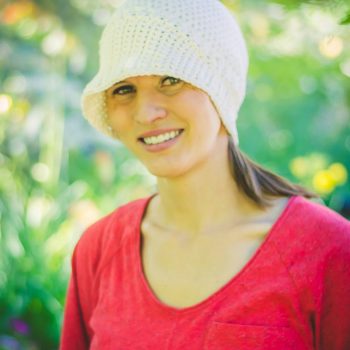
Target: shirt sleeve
(318, 261)
(74, 334)
(333, 323)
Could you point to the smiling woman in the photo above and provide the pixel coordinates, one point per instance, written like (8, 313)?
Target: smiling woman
(157, 118)
(226, 254)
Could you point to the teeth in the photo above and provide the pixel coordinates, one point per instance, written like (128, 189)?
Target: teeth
(154, 140)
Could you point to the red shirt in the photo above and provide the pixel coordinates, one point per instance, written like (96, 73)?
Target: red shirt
(293, 294)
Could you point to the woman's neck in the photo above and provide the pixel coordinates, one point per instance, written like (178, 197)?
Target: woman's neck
(203, 200)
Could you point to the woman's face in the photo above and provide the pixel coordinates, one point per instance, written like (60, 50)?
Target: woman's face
(169, 125)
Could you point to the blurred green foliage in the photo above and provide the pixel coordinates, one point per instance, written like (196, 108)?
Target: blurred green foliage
(57, 175)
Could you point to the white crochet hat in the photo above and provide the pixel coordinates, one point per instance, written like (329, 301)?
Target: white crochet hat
(197, 41)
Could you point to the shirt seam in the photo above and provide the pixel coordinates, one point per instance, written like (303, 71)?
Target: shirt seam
(294, 282)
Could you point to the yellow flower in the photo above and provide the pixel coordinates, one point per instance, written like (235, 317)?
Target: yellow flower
(323, 182)
(339, 173)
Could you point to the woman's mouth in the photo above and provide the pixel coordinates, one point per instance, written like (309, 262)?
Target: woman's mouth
(162, 141)
(156, 140)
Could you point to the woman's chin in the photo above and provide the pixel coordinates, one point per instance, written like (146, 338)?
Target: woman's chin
(165, 171)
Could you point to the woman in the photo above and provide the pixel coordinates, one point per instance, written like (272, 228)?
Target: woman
(226, 255)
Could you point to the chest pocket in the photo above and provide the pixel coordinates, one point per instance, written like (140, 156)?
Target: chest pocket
(231, 336)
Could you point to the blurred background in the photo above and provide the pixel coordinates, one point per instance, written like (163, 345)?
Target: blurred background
(57, 175)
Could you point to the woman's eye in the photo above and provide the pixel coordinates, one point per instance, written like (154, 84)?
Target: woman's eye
(123, 90)
(171, 80)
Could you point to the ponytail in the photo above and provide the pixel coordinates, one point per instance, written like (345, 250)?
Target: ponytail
(259, 183)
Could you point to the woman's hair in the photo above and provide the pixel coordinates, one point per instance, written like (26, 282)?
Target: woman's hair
(260, 184)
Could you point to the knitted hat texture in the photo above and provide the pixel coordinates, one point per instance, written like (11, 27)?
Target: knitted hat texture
(197, 41)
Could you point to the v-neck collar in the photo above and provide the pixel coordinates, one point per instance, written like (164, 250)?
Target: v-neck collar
(235, 278)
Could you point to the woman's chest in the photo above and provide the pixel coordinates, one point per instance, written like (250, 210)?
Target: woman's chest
(257, 310)
(182, 274)
(222, 295)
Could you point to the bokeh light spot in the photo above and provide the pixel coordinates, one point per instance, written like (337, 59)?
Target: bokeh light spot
(38, 210)
(84, 212)
(27, 28)
(5, 103)
(299, 167)
(54, 43)
(40, 172)
(331, 46)
(14, 12)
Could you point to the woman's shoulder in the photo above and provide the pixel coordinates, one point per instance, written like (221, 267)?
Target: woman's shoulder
(313, 242)
(313, 216)
(311, 233)
(111, 229)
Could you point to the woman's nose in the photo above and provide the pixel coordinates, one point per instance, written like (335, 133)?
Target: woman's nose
(149, 110)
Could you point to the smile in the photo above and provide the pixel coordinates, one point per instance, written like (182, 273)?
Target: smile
(155, 140)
